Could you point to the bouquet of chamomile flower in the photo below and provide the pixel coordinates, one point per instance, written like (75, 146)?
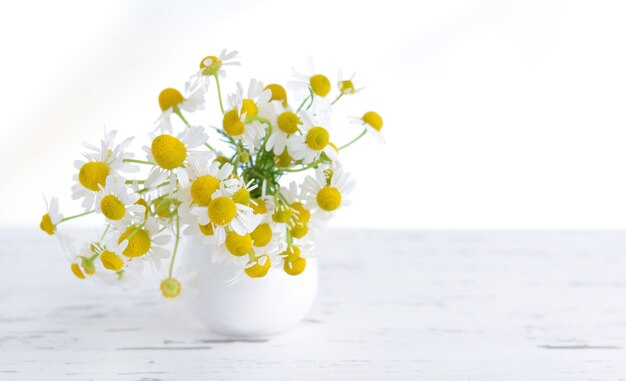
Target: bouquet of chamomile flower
(233, 198)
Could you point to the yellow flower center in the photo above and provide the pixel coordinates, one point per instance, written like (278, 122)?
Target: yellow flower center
(170, 288)
(278, 93)
(111, 261)
(288, 122)
(295, 267)
(238, 245)
(206, 229)
(282, 214)
(210, 65)
(202, 188)
(222, 210)
(47, 225)
(329, 198)
(170, 98)
(283, 160)
(112, 207)
(262, 235)
(168, 152)
(299, 230)
(242, 196)
(304, 215)
(291, 253)
(77, 271)
(258, 206)
(92, 175)
(249, 108)
(138, 244)
(373, 119)
(144, 203)
(347, 87)
(257, 270)
(232, 123)
(320, 85)
(317, 138)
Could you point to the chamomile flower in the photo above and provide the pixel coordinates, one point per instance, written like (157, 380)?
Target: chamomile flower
(223, 213)
(145, 242)
(244, 118)
(101, 162)
(373, 123)
(171, 153)
(327, 191)
(285, 124)
(211, 66)
(117, 204)
(172, 101)
(318, 83)
(52, 217)
(294, 259)
(347, 85)
(278, 93)
(312, 143)
(80, 259)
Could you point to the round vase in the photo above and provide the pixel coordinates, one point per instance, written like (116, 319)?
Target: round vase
(249, 307)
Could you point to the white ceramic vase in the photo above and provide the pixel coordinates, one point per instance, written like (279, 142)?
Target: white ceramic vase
(251, 307)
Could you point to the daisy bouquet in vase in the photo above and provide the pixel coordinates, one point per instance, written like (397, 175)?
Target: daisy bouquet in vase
(222, 196)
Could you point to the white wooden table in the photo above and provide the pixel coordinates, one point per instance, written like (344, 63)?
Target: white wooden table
(392, 305)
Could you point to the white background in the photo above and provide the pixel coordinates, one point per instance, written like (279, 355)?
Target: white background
(498, 114)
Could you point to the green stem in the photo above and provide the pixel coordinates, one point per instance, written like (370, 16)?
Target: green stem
(175, 246)
(303, 102)
(312, 165)
(105, 232)
(337, 99)
(134, 181)
(76, 216)
(138, 161)
(219, 91)
(353, 140)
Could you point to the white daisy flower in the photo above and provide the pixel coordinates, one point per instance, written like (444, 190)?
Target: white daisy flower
(314, 141)
(373, 123)
(118, 205)
(328, 190)
(172, 101)
(211, 66)
(172, 153)
(241, 120)
(347, 85)
(286, 123)
(79, 258)
(106, 160)
(223, 213)
(318, 83)
(294, 258)
(145, 243)
(52, 217)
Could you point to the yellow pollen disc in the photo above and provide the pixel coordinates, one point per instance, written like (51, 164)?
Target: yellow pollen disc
(257, 270)
(278, 93)
(329, 198)
(232, 124)
(262, 235)
(206, 229)
(320, 85)
(238, 245)
(170, 98)
(88, 267)
(222, 210)
(283, 160)
(373, 119)
(111, 261)
(249, 108)
(242, 196)
(112, 207)
(202, 188)
(347, 87)
(317, 138)
(303, 215)
(222, 160)
(258, 206)
(288, 122)
(144, 203)
(170, 288)
(77, 271)
(168, 152)
(138, 245)
(294, 267)
(46, 224)
(291, 253)
(299, 230)
(282, 214)
(92, 175)
(210, 65)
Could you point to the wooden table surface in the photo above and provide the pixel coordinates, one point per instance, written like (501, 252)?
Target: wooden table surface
(431, 305)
